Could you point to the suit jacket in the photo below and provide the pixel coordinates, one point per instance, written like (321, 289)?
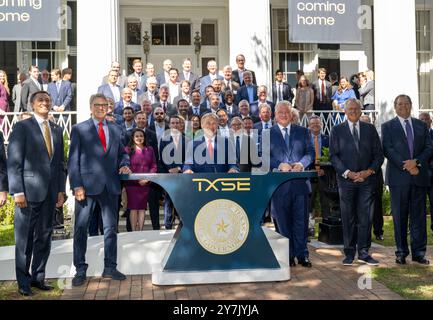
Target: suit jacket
(63, 96)
(344, 155)
(206, 81)
(328, 97)
(122, 81)
(171, 110)
(30, 170)
(243, 94)
(287, 92)
(106, 91)
(179, 97)
(146, 95)
(170, 156)
(29, 87)
(235, 77)
(118, 107)
(366, 93)
(234, 86)
(194, 80)
(161, 79)
(234, 112)
(141, 85)
(202, 110)
(247, 153)
(254, 109)
(3, 166)
(205, 163)
(396, 151)
(89, 166)
(300, 150)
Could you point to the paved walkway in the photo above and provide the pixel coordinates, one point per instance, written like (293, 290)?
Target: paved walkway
(328, 279)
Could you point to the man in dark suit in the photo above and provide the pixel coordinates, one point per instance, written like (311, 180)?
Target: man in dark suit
(137, 65)
(408, 147)
(125, 102)
(36, 172)
(187, 74)
(319, 142)
(229, 105)
(60, 92)
(196, 108)
(96, 157)
(168, 108)
(425, 117)
(151, 93)
(262, 94)
(30, 86)
(291, 150)
(281, 90)
(111, 89)
(164, 77)
(207, 79)
(322, 92)
(208, 160)
(356, 154)
(245, 147)
(238, 74)
(172, 154)
(248, 91)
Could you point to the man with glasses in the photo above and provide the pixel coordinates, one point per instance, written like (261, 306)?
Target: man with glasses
(96, 158)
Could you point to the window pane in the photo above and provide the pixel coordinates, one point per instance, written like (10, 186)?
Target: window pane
(184, 34)
(157, 34)
(208, 34)
(42, 60)
(133, 33)
(170, 34)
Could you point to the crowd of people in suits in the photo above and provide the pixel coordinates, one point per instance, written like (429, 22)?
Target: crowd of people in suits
(147, 123)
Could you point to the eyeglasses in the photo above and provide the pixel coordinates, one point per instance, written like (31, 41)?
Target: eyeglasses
(99, 105)
(159, 113)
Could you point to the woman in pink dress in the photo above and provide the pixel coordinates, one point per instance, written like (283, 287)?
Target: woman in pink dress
(4, 95)
(142, 161)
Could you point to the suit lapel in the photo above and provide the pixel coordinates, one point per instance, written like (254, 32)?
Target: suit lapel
(39, 136)
(282, 141)
(94, 133)
(398, 129)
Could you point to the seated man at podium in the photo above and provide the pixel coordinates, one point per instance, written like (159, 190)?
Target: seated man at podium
(291, 150)
(210, 152)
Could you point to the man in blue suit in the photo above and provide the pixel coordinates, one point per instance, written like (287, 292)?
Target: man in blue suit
(207, 79)
(357, 156)
(425, 117)
(60, 92)
(111, 89)
(248, 91)
(218, 153)
(96, 157)
(408, 147)
(126, 101)
(291, 151)
(36, 172)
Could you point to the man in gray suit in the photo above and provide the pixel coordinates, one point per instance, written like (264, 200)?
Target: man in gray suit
(366, 91)
(30, 86)
(186, 74)
(36, 172)
(122, 81)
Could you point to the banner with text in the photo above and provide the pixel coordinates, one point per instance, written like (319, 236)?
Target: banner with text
(320, 21)
(30, 20)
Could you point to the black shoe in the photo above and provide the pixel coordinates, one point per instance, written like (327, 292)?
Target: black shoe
(25, 292)
(115, 275)
(379, 238)
(348, 261)
(79, 280)
(368, 260)
(41, 286)
(292, 262)
(400, 260)
(305, 262)
(421, 260)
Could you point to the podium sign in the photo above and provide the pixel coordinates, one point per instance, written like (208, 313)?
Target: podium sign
(220, 216)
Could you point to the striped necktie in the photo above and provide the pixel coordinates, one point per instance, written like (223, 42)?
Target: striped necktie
(47, 138)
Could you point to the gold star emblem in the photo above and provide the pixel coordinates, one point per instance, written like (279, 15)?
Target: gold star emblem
(221, 227)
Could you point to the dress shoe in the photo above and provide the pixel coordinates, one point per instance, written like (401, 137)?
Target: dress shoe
(305, 262)
(26, 292)
(292, 262)
(400, 260)
(115, 275)
(379, 238)
(421, 260)
(78, 280)
(348, 261)
(368, 260)
(41, 285)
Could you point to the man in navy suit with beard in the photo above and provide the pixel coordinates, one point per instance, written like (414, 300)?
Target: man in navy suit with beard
(408, 147)
(291, 151)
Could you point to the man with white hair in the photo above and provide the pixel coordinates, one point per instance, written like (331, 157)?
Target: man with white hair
(207, 79)
(164, 77)
(228, 83)
(126, 101)
(187, 74)
(133, 85)
(151, 92)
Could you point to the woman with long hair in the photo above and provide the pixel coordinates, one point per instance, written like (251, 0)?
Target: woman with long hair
(137, 192)
(4, 96)
(304, 97)
(343, 93)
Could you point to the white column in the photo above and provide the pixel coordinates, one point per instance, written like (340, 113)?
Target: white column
(98, 46)
(250, 34)
(395, 54)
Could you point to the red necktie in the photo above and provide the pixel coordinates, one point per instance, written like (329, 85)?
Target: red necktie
(323, 91)
(101, 135)
(210, 148)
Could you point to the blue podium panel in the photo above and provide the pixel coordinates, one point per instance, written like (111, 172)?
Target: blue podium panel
(220, 216)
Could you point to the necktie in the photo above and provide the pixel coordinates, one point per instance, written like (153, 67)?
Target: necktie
(323, 92)
(280, 92)
(266, 126)
(210, 148)
(58, 86)
(287, 139)
(196, 112)
(316, 147)
(176, 141)
(409, 136)
(101, 135)
(355, 137)
(164, 106)
(238, 149)
(47, 138)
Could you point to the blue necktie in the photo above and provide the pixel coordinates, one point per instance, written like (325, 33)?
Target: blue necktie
(266, 126)
(409, 136)
(238, 149)
(287, 139)
(355, 137)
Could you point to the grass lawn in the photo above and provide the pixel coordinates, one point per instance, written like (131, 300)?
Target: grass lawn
(388, 233)
(7, 237)
(411, 282)
(9, 291)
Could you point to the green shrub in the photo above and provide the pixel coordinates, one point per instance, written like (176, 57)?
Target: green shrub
(7, 212)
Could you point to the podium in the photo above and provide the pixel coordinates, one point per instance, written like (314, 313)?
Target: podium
(220, 238)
